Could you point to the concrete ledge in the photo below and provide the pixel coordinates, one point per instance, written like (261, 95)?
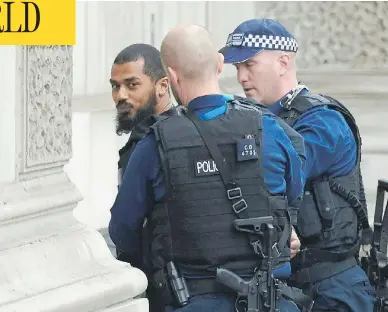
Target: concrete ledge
(49, 262)
(136, 305)
(73, 271)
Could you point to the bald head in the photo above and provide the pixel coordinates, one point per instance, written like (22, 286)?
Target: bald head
(189, 51)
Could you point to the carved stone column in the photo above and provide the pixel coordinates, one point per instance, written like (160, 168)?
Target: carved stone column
(49, 261)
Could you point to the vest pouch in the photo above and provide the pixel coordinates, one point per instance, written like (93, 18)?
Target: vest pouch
(325, 203)
(159, 289)
(309, 222)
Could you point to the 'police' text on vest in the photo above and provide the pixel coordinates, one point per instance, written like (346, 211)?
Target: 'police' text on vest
(205, 167)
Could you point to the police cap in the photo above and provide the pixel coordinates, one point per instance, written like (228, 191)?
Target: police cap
(255, 35)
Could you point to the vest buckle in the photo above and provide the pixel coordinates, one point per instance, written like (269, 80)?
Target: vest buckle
(234, 193)
(240, 206)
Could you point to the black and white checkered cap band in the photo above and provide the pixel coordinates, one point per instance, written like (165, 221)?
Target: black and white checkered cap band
(269, 42)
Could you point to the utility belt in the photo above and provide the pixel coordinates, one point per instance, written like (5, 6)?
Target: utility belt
(321, 271)
(312, 265)
(168, 287)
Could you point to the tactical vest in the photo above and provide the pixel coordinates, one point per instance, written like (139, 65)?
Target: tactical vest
(295, 138)
(331, 214)
(193, 225)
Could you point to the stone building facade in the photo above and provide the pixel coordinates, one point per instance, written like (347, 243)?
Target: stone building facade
(58, 149)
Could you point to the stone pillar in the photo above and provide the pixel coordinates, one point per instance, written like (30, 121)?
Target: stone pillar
(49, 261)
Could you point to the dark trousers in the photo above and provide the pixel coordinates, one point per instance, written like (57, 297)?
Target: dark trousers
(349, 291)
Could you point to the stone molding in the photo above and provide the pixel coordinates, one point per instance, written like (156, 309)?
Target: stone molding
(46, 75)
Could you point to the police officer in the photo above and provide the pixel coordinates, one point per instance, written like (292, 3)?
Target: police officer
(193, 183)
(331, 214)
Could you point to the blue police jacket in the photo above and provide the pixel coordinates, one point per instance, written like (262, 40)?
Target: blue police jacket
(329, 142)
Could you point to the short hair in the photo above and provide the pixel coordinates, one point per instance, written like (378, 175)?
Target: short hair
(153, 67)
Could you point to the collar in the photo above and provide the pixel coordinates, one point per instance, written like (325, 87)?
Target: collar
(209, 106)
(276, 107)
(206, 101)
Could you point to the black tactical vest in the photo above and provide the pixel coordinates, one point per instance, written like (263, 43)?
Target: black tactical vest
(193, 225)
(296, 141)
(331, 214)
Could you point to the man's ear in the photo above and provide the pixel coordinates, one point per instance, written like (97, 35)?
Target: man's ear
(173, 76)
(162, 86)
(220, 63)
(284, 61)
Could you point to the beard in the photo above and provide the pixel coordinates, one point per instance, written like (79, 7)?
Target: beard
(126, 123)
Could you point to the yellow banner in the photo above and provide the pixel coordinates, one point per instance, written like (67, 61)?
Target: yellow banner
(37, 22)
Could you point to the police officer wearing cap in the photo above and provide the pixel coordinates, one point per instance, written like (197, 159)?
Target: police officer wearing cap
(201, 179)
(333, 212)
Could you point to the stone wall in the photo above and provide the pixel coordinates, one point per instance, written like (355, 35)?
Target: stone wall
(48, 260)
(336, 34)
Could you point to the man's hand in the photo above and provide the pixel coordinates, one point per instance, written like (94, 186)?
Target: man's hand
(295, 244)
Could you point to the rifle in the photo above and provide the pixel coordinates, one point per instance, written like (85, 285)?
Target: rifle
(375, 263)
(261, 292)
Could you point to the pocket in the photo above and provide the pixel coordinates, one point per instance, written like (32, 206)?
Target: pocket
(309, 223)
(325, 203)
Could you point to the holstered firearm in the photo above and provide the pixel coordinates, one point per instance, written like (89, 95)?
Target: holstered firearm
(178, 285)
(375, 263)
